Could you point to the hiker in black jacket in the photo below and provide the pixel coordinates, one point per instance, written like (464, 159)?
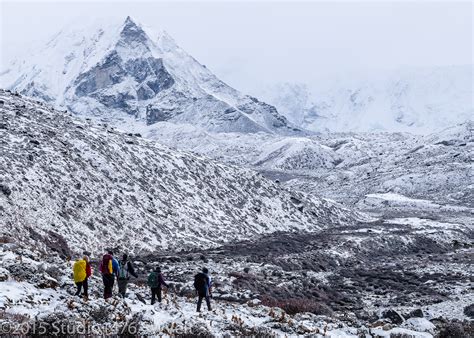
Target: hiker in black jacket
(126, 269)
(202, 284)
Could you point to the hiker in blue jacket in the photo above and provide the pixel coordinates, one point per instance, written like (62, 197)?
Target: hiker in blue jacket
(126, 269)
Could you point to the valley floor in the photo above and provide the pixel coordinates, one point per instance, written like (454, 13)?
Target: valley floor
(397, 276)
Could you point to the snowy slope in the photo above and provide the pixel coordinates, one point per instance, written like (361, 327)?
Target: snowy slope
(86, 186)
(345, 166)
(436, 167)
(259, 150)
(125, 70)
(409, 100)
(296, 153)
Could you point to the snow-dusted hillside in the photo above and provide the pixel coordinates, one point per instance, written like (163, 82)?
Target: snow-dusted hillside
(126, 72)
(409, 100)
(88, 186)
(346, 166)
(259, 150)
(437, 168)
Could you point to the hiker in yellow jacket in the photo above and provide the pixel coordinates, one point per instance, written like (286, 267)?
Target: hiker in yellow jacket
(81, 271)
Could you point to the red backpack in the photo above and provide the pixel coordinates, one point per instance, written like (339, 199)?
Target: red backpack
(88, 269)
(106, 265)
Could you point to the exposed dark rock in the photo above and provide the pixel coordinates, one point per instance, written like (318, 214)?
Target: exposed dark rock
(5, 189)
(455, 329)
(109, 72)
(57, 243)
(394, 316)
(469, 311)
(47, 283)
(295, 200)
(446, 143)
(418, 313)
(4, 273)
(154, 115)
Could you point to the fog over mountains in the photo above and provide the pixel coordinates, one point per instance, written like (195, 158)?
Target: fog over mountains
(417, 100)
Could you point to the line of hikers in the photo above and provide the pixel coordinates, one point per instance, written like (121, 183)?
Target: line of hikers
(111, 269)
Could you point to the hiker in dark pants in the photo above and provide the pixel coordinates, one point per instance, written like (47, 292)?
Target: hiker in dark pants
(81, 272)
(202, 284)
(109, 268)
(126, 269)
(155, 282)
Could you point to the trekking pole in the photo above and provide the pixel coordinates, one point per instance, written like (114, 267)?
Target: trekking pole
(165, 293)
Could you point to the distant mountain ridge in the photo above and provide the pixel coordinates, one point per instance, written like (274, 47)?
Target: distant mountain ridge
(121, 73)
(417, 100)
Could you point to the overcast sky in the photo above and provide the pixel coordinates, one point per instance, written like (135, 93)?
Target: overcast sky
(248, 43)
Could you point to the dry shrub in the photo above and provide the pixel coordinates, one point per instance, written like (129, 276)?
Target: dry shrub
(5, 239)
(297, 305)
(13, 317)
(456, 329)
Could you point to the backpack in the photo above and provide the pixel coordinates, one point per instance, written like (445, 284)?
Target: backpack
(123, 274)
(200, 281)
(106, 265)
(88, 269)
(153, 280)
(79, 270)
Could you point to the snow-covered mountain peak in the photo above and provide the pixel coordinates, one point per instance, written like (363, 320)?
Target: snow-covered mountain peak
(132, 35)
(129, 23)
(166, 42)
(133, 42)
(124, 71)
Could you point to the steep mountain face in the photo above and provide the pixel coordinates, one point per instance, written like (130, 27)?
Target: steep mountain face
(71, 184)
(408, 100)
(121, 73)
